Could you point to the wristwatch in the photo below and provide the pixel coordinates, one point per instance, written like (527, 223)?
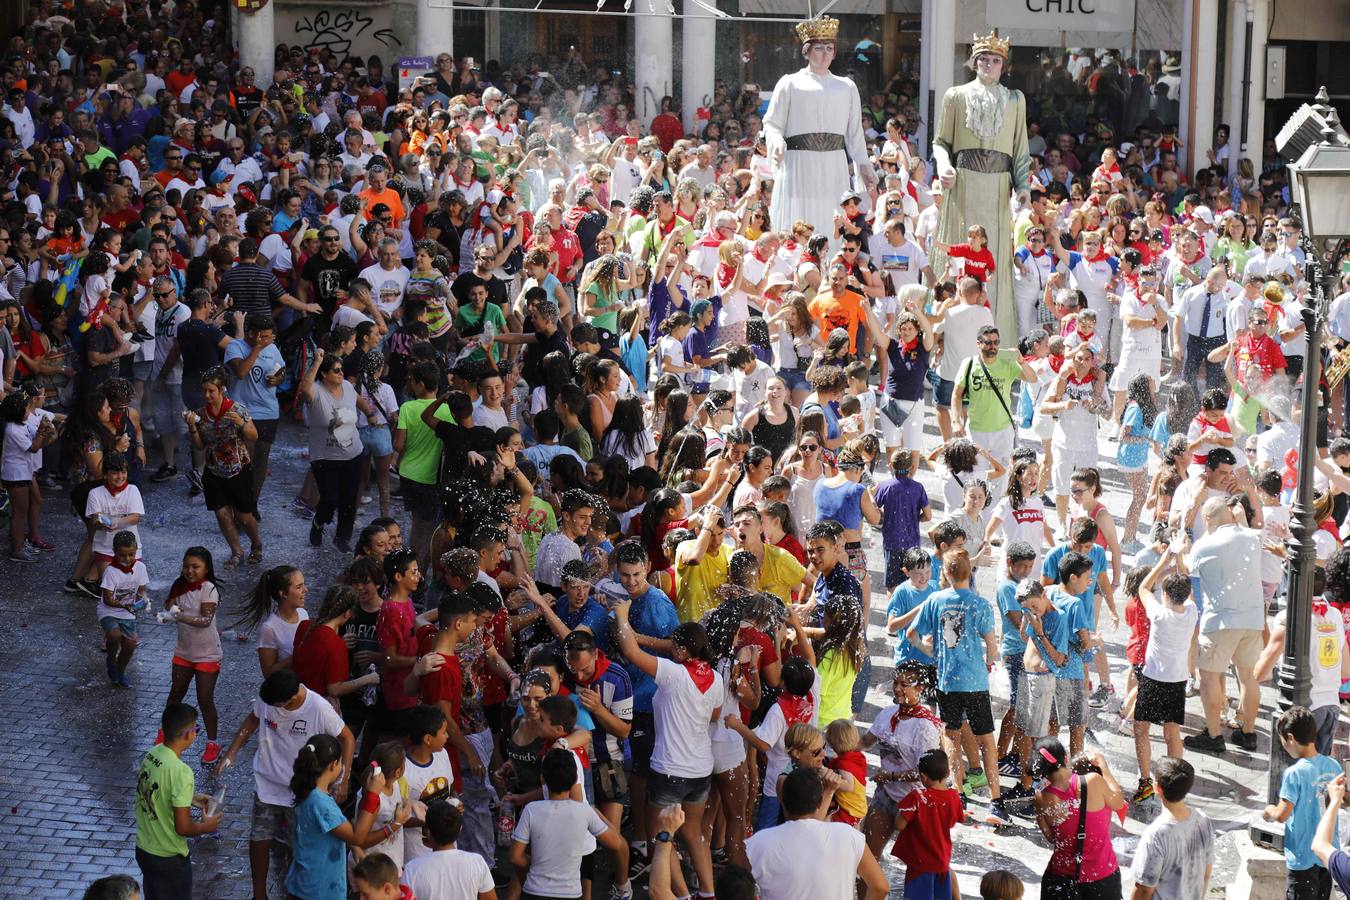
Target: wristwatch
(663, 837)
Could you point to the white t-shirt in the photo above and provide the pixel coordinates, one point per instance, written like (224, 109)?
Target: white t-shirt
(279, 635)
(614, 444)
(448, 873)
(958, 330)
(281, 734)
(350, 317)
(489, 418)
(750, 389)
(424, 783)
(387, 284)
(1274, 529)
(683, 716)
(563, 831)
(786, 860)
(124, 586)
(900, 743)
(1324, 657)
(276, 253)
(1146, 342)
(1025, 524)
(772, 731)
(1169, 640)
(127, 502)
(18, 464)
(672, 351)
(905, 263)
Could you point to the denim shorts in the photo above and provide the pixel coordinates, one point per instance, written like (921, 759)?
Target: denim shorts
(1012, 662)
(376, 440)
(126, 628)
(663, 790)
(795, 378)
(942, 393)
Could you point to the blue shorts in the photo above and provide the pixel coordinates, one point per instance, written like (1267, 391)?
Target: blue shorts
(795, 378)
(942, 393)
(928, 886)
(1013, 663)
(376, 440)
(125, 628)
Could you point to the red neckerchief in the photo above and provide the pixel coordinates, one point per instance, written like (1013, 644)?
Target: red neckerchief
(701, 673)
(116, 490)
(1194, 259)
(1035, 254)
(1221, 425)
(796, 709)
(1319, 606)
(664, 230)
(1331, 528)
(1085, 338)
(1074, 379)
(601, 667)
(182, 586)
(224, 408)
(909, 347)
(1101, 255)
(711, 239)
(725, 275)
(755, 253)
(1056, 363)
(125, 569)
(1132, 281)
(790, 245)
(918, 711)
(579, 751)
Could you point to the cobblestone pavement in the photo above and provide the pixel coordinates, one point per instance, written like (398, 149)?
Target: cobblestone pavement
(71, 744)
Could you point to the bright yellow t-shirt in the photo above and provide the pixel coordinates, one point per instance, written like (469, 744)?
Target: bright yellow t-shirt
(836, 686)
(695, 582)
(780, 573)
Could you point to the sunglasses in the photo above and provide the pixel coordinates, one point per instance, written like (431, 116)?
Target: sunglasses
(809, 448)
(330, 240)
(163, 293)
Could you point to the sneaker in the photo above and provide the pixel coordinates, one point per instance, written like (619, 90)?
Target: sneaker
(997, 815)
(1010, 766)
(88, 588)
(41, 544)
(316, 535)
(305, 513)
(1100, 696)
(621, 893)
(164, 473)
(123, 680)
(23, 554)
(720, 857)
(365, 500)
(1017, 795)
(1143, 792)
(1244, 739)
(638, 863)
(297, 503)
(1125, 726)
(211, 753)
(194, 480)
(72, 586)
(975, 780)
(1205, 742)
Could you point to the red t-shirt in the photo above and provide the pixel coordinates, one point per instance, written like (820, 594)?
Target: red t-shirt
(793, 546)
(394, 631)
(979, 263)
(320, 657)
(1259, 351)
(446, 683)
(768, 655)
(855, 764)
(1137, 619)
(925, 844)
(494, 689)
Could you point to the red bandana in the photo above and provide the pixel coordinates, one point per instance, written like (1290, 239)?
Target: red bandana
(117, 490)
(725, 275)
(182, 586)
(796, 709)
(918, 711)
(701, 673)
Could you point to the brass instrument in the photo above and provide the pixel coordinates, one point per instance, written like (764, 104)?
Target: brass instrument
(1338, 367)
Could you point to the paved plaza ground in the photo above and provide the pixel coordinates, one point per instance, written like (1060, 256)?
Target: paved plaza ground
(70, 745)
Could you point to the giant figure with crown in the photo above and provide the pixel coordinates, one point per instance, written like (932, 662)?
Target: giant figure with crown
(980, 148)
(813, 130)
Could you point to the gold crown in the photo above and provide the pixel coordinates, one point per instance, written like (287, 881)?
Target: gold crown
(824, 28)
(990, 43)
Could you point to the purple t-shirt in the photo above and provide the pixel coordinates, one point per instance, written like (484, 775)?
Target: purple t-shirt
(901, 501)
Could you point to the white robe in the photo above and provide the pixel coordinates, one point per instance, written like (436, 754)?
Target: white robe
(809, 183)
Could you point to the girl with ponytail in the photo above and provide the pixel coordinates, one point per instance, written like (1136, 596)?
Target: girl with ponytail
(322, 833)
(283, 588)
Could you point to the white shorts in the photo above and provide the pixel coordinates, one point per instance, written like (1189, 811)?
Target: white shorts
(1066, 461)
(1132, 364)
(727, 755)
(1043, 426)
(908, 435)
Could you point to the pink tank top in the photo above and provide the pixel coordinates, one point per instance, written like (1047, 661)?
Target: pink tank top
(1099, 858)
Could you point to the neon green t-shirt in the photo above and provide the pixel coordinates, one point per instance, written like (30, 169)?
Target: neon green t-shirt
(421, 449)
(165, 782)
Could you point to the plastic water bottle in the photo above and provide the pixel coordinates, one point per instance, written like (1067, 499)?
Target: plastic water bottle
(371, 691)
(506, 824)
(168, 616)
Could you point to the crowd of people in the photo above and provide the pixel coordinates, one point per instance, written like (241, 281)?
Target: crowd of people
(605, 449)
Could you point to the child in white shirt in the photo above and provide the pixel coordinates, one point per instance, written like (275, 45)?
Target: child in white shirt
(123, 586)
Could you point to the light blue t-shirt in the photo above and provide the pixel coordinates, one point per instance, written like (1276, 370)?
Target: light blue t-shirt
(543, 455)
(957, 620)
(253, 390)
(634, 355)
(1160, 432)
(654, 615)
(319, 860)
(1131, 455)
(1097, 553)
(1012, 643)
(903, 599)
(1305, 785)
(1077, 614)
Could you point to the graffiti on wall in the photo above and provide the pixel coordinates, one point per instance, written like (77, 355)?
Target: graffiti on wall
(344, 31)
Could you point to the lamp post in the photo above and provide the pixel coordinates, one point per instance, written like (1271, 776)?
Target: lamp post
(1321, 187)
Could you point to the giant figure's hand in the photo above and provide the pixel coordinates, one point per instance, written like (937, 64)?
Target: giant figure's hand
(1023, 198)
(946, 175)
(777, 149)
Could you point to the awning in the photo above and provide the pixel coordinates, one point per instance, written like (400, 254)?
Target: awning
(790, 8)
(1311, 20)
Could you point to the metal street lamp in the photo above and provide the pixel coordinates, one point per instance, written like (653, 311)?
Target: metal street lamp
(1321, 187)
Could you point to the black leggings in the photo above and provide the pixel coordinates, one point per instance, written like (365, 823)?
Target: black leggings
(337, 480)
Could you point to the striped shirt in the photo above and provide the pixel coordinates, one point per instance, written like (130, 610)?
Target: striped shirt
(252, 288)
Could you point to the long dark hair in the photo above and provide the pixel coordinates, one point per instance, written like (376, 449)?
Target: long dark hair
(314, 758)
(628, 423)
(694, 639)
(688, 450)
(1015, 482)
(843, 632)
(658, 504)
(677, 417)
(1140, 390)
(723, 622)
(207, 563)
(258, 605)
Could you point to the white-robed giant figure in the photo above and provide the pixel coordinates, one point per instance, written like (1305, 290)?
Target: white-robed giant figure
(981, 153)
(812, 130)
